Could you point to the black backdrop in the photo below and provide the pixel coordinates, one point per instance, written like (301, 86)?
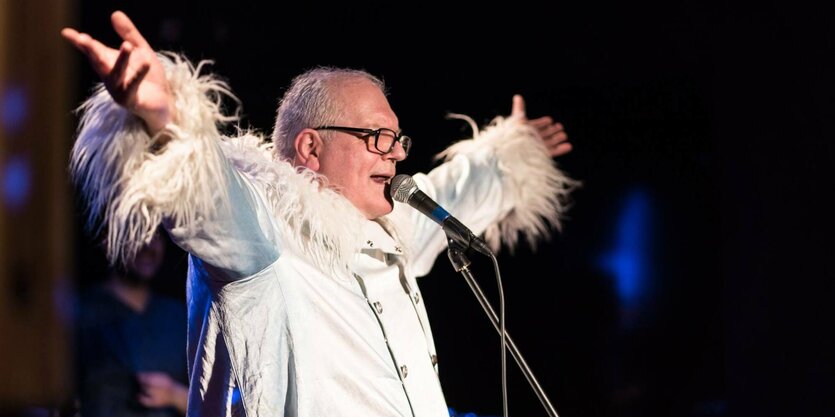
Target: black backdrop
(714, 121)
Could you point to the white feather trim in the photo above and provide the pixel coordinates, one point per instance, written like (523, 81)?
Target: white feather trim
(312, 218)
(529, 174)
(130, 189)
(127, 187)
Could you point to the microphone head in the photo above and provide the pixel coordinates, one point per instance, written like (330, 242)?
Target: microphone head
(402, 186)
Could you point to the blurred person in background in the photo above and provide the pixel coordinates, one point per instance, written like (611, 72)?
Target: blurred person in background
(131, 352)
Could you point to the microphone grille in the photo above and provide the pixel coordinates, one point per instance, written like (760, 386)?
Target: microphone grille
(402, 186)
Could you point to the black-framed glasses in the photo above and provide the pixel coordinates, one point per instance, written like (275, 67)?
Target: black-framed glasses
(384, 139)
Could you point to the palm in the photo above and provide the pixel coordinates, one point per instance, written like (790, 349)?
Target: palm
(133, 75)
(552, 134)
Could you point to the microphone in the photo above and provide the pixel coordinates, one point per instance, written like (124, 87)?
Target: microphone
(405, 190)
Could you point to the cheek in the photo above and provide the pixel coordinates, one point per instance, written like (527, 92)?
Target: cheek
(350, 170)
(343, 174)
(356, 170)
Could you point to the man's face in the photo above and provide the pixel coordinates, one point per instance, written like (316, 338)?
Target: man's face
(148, 260)
(360, 175)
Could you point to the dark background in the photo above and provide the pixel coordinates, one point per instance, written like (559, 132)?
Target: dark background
(691, 277)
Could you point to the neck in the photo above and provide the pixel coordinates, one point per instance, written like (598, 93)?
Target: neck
(133, 294)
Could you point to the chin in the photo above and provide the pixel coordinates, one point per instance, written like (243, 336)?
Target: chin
(380, 210)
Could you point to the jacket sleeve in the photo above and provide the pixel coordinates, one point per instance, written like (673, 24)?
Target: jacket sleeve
(502, 184)
(131, 187)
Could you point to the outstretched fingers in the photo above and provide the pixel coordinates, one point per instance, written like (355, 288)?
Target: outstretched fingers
(553, 135)
(99, 55)
(132, 84)
(133, 74)
(551, 131)
(127, 30)
(120, 67)
(518, 110)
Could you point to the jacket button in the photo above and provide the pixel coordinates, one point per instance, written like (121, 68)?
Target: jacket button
(378, 307)
(404, 371)
(417, 297)
(434, 359)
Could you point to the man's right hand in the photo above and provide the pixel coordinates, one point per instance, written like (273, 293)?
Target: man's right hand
(133, 74)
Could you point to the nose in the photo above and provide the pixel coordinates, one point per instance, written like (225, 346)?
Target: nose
(397, 152)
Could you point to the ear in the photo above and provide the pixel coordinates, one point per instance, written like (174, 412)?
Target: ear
(308, 145)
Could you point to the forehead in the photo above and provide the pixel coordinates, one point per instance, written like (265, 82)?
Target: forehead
(363, 104)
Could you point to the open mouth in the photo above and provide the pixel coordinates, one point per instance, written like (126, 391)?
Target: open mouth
(381, 179)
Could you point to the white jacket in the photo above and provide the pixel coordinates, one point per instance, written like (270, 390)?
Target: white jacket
(299, 306)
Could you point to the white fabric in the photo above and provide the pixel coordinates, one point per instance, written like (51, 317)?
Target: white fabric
(297, 305)
(293, 338)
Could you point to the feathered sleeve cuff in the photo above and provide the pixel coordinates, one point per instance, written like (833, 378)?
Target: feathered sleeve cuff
(129, 183)
(535, 193)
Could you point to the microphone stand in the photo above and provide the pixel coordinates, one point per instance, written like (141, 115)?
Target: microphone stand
(461, 263)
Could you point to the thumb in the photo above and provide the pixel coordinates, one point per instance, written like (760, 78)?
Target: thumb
(518, 110)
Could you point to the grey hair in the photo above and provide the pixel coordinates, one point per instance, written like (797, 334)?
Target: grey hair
(309, 103)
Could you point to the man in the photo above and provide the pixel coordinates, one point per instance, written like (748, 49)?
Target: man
(302, 291)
